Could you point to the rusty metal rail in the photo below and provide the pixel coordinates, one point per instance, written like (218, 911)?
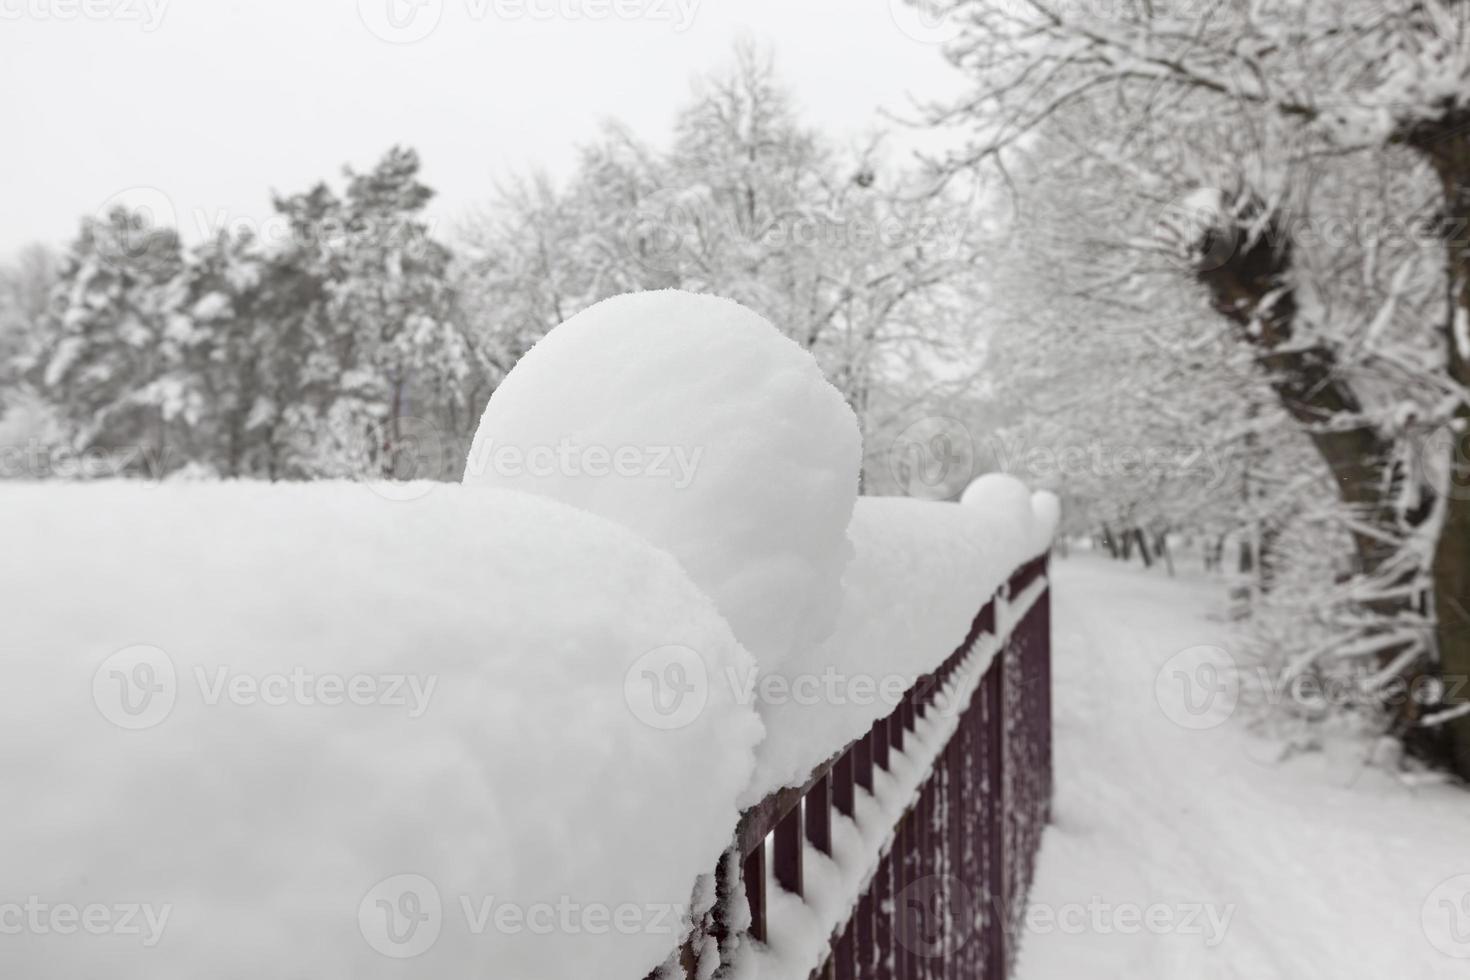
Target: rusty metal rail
(946, 894)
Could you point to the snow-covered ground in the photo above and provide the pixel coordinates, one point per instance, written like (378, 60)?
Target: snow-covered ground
(1182, 853)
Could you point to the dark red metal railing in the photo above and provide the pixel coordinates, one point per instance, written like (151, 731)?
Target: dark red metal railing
(945, 900)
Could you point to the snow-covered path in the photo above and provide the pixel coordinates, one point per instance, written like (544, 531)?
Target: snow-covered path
(1159, 830)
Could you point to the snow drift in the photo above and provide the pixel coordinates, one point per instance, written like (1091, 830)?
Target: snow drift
(445, 692)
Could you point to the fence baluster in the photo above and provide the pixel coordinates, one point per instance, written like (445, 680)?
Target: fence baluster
(881, 743)
(843, 956)
(754, 874)
(789, 847)
(865, 943)
(842, 783)
(818, 806)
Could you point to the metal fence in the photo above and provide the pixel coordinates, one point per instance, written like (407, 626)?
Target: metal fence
(946, 896)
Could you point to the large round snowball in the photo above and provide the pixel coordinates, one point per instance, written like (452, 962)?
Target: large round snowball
(695, 422)
(1006, 502)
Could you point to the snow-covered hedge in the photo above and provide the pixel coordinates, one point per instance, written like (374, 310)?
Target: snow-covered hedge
(314, 730)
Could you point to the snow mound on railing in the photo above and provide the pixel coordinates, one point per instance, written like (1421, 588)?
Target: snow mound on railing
(1005, 498)
(506, 762)
(921, 573)
(737, 456)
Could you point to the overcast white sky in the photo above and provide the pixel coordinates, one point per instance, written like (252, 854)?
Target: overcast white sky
(214, 103)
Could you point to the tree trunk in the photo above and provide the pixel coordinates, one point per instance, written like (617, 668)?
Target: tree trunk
(1445, 143)
(1452, 611)
(1142, 542)
(1245, 563)
(1252, 289)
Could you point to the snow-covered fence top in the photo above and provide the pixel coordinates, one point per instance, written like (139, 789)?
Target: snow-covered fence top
(908, 854)
(313, 730)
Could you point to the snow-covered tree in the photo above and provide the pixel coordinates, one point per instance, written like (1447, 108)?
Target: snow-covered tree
(358, 310)
(842, 250)
(106, 345)
(332, 351)
(1241, 133)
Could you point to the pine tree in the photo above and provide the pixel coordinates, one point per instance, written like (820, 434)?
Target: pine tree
(105, 345)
